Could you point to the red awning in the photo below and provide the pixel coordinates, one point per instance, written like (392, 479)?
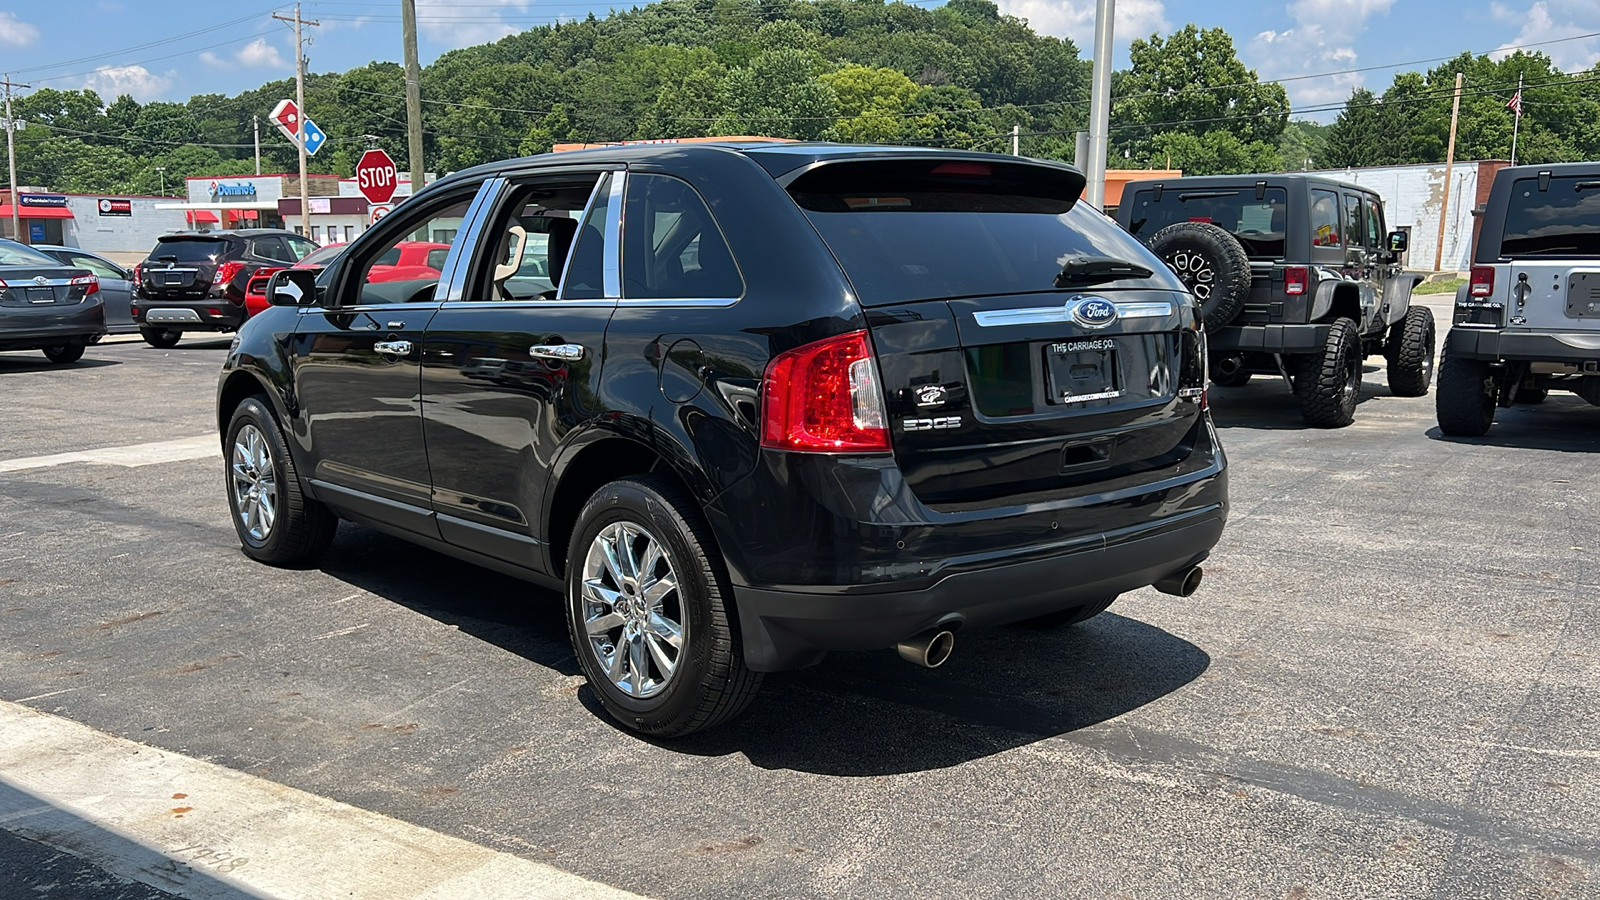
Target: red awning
(202, 215)
(36, 212)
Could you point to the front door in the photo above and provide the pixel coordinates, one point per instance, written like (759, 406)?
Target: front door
(511, 363)
(357, 368)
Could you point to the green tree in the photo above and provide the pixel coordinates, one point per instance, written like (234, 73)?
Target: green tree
(1192, 83)
(872, 103)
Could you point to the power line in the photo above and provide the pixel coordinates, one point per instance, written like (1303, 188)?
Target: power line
(148, 44)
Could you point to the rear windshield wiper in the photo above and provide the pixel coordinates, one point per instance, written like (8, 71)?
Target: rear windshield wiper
(1082, 271)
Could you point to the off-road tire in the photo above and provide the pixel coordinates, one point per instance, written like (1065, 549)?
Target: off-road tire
(304, 527)
(1410, 353)
(162, 338)
(712, 684)
(1328, 383)
(1466, 397)
(65, 353)
(1070, 616)
(1531, 396)
(1237, 379)
(1211, 263)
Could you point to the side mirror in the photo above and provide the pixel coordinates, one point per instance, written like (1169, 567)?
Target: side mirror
(292, 287)
(1398, 241)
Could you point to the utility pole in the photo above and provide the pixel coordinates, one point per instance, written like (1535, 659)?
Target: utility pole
(1449, 166)
(300, 121)
(1517, 122)
(11, 161)
(408, 28)
(255, 126)
(1100, 105)
(1016, 140)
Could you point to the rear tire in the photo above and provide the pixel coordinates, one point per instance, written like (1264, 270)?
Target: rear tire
(631, 537)
(1410, 352)
(1069, 616)
(1211, 263)
(64, 354)
(1466, 397)
(162, 338)
(276, 522)
(1329, 383)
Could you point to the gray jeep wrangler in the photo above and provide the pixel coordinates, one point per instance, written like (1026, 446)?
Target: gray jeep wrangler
(1528, 320)
(1296, 276)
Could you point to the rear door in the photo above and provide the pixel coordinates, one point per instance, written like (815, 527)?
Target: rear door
(999, 383)
(1552, 238)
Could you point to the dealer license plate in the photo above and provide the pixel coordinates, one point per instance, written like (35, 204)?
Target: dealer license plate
(1082, 370)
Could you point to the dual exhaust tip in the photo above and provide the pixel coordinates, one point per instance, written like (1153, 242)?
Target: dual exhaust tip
(931, 648)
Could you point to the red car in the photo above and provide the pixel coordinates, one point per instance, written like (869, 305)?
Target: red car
(407, 260)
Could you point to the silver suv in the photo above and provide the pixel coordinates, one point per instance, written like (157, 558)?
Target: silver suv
(1528, 320)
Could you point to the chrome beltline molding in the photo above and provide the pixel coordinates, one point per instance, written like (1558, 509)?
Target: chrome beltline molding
(1039, 315)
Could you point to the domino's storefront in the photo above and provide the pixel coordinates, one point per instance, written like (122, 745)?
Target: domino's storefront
(238, 201)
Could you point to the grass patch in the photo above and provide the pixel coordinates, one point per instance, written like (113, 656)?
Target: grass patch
(1442, 286)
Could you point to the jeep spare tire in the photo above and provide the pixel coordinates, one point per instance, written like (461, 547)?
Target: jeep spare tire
(1211, 263)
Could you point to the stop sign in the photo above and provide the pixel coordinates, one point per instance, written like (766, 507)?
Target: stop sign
(376, 176)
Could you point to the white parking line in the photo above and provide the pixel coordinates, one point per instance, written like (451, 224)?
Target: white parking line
(199, 830)
(131, 455)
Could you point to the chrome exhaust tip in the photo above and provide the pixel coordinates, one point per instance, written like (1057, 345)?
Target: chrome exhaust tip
(929, 649)
(1230, 365)
(1181, 583)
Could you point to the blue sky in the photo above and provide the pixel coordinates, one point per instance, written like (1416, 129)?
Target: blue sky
(203, 47)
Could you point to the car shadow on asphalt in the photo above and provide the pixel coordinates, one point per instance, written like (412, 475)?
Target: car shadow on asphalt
(1266, 404)
(10, 365)
(1564, 423)
(855, 714)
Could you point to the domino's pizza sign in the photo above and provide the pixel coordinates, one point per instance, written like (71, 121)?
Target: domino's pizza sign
(221, 189)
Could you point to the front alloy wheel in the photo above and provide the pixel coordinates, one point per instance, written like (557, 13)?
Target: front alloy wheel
(632, 614)
(255, 486)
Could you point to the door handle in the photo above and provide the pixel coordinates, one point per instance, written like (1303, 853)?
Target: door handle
(563, 352)
(397, 348)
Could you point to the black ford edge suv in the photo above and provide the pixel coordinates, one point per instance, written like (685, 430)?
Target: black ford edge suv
(743, 405)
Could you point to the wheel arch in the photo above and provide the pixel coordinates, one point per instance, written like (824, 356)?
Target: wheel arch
(1338, 299)
(239, 385)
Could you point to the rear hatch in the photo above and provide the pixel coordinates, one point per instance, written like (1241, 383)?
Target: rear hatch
(998, 383)
(1552, 238)
(182, 266)
(32, 279)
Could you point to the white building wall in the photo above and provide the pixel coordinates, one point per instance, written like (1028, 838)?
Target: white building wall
(1414, 196)
(134, 233)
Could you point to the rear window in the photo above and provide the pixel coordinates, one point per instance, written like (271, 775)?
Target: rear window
(21, 255)
(189, 251)
(1563, 220)
(1257, 223)
(924, 230)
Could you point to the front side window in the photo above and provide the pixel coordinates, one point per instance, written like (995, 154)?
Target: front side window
(534, 235)
(299, 247)
(1375, 232)
(672, 248)
(99, 267)
(383, 278)
(1325, 219)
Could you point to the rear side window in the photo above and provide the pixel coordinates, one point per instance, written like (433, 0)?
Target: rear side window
(1325, 219)
(1562, 220)
(920, 230)
(199, 250)
(1258, 223)
(672, 247)
(1354, 231)
(271, 248)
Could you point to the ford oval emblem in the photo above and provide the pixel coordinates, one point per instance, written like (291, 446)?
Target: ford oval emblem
(1093, 312)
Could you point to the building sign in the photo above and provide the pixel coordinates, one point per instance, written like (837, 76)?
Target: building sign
(321, 205)
(223, 189)
(110, 207)
(56, 200)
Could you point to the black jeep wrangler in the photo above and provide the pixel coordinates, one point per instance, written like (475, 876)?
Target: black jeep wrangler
(1528, 320)
(1296, 276)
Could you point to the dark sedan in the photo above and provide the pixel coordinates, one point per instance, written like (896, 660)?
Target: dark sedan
(47, 305)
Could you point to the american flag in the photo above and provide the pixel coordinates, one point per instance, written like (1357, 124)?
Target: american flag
(1515, 104)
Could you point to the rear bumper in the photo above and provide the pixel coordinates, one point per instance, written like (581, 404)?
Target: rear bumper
(858, 563)
(36, 328)
(189, 315)
(1578, 347)
(1269, 338)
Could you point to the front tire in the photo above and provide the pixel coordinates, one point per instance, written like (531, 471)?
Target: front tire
(276, 523)
(1410, 352)
(1466, 397)
(1329, 383)
(65, 353)
(161, 338)
(650, 613)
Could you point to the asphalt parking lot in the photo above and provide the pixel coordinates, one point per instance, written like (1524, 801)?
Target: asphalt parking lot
(1388, 686)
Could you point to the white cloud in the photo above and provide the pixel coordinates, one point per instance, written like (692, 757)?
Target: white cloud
(259, 53)
(1540, 23)
(442, 22)
(16, 33)
(1075, 18)
(111, 82)
(1321, 39)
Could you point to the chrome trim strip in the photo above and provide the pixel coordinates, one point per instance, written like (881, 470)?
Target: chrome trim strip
(1041, 315)
(531, 304)
(683, 303)
(453, 280)
(611, 267)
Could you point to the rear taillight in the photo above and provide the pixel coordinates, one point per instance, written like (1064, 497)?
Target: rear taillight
(1295, 279)
(824, 397)
(138, 273)
(4, 286)
(90, 283)
(227, 272)
(1481, 284)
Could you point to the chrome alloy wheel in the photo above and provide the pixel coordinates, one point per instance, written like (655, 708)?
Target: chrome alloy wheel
(633, 616)
(1195, 271)
(255, 483)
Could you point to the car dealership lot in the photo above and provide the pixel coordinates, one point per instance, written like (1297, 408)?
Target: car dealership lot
(1387, 686)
